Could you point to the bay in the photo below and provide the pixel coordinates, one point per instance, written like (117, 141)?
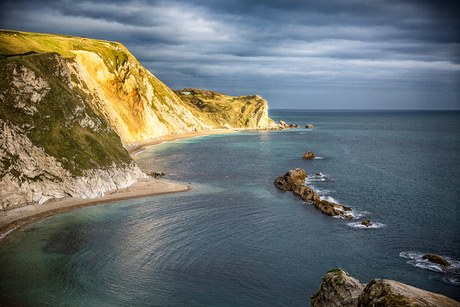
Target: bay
(236, 240)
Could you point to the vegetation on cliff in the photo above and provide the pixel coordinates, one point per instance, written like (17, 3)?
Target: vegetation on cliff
(223, 110)
(134, 102)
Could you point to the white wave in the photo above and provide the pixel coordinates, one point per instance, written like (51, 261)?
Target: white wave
(318, 158)
(4, 235)
(450, 275)
(374, 225)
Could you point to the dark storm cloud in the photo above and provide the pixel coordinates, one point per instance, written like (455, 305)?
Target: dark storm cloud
(295, 53)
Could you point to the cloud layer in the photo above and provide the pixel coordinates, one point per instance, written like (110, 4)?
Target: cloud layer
(294, 53)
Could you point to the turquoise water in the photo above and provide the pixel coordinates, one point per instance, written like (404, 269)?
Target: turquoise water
(236, 240)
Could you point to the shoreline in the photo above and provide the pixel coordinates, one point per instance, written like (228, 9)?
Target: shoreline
(19, 218)
(135, 148)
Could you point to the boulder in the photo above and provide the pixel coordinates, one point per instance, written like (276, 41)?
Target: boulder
(392, 293)
(309, 126)
(293, 179)
(297, 126)
(308, 155)
(340, 289)
(437, 259)
(366, 223)
(332, 209)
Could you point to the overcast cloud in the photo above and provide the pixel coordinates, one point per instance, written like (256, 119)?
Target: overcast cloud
(294, 53)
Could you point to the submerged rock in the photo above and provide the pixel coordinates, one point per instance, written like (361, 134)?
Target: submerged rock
(366, 223)
(308, 155)
(437, 259)
(340, 289)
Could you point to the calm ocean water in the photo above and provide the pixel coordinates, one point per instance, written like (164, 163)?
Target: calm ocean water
(236, 240)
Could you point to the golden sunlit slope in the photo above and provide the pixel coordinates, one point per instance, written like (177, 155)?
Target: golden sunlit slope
(136, 104)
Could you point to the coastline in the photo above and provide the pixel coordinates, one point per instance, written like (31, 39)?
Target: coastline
(15, 219)
(135, 148)
(22, 217)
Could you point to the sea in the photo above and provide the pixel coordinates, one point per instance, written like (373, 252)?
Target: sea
(237, 240)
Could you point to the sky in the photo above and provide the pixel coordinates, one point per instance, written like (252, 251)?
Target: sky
(299, 54)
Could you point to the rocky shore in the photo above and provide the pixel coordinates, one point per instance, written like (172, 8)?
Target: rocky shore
(294, 180)
(340, 289)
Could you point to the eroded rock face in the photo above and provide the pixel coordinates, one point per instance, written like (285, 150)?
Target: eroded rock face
(294, 180)
(52, 144)
(340, 289)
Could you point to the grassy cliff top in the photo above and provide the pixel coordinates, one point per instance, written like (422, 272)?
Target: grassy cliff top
(223, 109)
(19, 43)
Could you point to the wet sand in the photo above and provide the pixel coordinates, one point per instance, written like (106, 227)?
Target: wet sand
(28, 215)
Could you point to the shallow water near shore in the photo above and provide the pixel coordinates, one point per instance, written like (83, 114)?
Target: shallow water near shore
(236, 240)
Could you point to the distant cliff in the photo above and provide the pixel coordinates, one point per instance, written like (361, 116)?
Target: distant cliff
(227, 111)
(69, 106)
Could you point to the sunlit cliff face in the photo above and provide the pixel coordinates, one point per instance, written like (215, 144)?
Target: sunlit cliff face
(128, 100)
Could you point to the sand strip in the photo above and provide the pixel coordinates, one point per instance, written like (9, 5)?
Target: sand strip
(135, 148)
(28, 215)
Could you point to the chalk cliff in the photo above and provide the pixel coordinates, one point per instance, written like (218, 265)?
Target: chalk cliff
(71, 105)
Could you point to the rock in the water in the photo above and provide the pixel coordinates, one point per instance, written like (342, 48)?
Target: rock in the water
(294, 181)
(437, 259)
(308, 155)
(331, 208)
(366, 223)
(340, 289)
(309, 126)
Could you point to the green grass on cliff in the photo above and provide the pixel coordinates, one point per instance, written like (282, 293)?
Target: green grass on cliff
(18, 43)
(55, 126)
(222, 109)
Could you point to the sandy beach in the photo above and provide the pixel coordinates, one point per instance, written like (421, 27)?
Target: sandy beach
(135, 148)
(28, 215)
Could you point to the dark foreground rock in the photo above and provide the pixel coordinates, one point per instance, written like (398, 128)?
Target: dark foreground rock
(308, 155)
(340, 289)
(294, 180)
(437, 259)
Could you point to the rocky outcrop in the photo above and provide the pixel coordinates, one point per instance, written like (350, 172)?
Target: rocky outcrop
(340, 289)
(366, 223)
(437, 259)
(282, 125)
(308, 155)
(294, 180)
(309, 127)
